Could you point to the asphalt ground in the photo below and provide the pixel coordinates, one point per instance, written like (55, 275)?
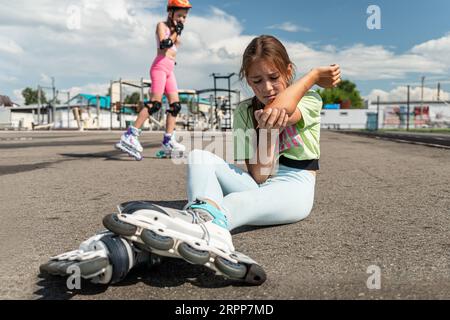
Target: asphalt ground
(439, 140)
(377, 203)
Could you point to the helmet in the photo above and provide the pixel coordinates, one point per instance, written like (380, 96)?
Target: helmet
(185, 4)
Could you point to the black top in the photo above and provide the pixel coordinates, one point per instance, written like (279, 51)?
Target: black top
(300, 164)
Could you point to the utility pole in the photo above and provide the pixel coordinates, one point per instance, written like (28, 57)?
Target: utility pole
(50, 103)
(215, 98)
(407, 118)
(378, 113)
(54, 89)
(423, 83)
(39, 104)
(439, 92)
(54, 100)
(111, 105)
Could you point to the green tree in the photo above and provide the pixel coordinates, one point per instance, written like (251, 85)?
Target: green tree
(31, 96)
(345, 91)
(134, 98)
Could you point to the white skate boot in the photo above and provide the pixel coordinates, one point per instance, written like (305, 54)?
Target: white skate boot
(198, 235)
(104, 258)
(171, 148)
(129, 143)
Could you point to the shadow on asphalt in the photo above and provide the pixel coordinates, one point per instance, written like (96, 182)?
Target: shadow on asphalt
(171, 273)
(114, 155)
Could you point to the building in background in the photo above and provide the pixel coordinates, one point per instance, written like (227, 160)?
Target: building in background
(5, 101)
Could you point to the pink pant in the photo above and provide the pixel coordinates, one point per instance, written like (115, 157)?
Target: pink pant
(163, 76)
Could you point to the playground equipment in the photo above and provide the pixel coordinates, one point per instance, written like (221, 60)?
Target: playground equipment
(224, 103)
(199, 112)
(219, 115)
(119, 107)
(207, 109)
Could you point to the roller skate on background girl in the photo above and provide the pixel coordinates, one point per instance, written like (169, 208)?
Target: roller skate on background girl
(168, 34)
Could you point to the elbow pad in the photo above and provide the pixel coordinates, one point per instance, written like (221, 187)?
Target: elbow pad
(165, 44)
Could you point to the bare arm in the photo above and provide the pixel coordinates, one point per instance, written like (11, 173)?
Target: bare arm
(161, 31)
(288, 99)
(261, 166)
(294, 118)
(284, 110)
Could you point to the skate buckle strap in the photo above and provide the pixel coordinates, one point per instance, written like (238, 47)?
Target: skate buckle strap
(219, 218)
(134, 131)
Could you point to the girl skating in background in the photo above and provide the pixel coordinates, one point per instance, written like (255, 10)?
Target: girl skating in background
(162, 74)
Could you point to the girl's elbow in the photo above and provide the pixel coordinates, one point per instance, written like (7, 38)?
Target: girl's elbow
(259, 179)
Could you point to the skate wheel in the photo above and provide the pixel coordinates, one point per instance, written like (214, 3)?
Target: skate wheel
(256, 275)
(192, 255)
(113, 224)
(157, 241)
(132, 207)
(231, 269)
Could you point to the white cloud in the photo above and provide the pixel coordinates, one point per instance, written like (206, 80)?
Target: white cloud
(92, 88)
(45, 79)
(9, 46)
(7, 78)
(360, 62)
(289, 27)
(18, 98)
(438, 49)
(400, 94)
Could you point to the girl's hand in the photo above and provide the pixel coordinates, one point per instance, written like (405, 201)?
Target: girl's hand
(179, 28)
(271, 119)
(328, 77)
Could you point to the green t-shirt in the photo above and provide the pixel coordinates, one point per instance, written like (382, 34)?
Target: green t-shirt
(300, 141)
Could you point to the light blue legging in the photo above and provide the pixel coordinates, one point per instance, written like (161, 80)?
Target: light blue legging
(284, 198)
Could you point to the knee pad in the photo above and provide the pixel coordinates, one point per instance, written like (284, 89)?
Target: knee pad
(174, 109)
(153, 107)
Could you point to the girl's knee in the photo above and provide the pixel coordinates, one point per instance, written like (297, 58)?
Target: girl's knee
(300, 215)
(195, 154)
(198, 156)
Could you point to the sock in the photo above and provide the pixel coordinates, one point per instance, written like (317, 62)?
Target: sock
(134, 131)
(167, 138)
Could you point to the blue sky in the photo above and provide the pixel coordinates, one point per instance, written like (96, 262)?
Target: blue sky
(115, 40)
(405, 23)
(342, 23)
